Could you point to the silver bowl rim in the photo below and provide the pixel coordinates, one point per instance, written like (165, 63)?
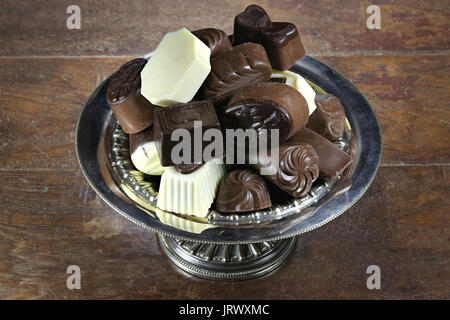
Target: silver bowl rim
(369, 142)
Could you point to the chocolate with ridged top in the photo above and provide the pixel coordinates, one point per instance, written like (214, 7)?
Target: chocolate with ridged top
(217, 40)
(296, 170)
(283, 44)
(248, 25)
(268, 105)
(234, 69)
(332, 160)
(131, 109)
(328, 119)
(241, 191)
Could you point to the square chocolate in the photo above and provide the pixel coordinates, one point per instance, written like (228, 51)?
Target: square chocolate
(184, 116)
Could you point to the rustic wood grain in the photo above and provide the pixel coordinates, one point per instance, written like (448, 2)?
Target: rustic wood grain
(52, 219)
(327, 27)
(411, 99)
(41, 100)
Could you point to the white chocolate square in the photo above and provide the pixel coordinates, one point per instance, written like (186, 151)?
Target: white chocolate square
(176, 70)
(191, 193)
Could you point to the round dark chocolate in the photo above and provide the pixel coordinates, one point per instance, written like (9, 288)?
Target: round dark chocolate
(269, 105)
(259, 114)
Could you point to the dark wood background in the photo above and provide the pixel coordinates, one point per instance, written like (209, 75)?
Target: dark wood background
(50, 218)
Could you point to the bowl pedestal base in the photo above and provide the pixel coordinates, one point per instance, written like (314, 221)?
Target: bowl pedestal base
(227, 261)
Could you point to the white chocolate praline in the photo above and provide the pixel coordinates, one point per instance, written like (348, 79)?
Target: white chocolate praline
(298, 82)
(176, 69)
(146, 159)
(191, 193)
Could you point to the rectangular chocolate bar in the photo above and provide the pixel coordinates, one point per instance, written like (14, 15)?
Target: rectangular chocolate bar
(332, 160)
(184, 116)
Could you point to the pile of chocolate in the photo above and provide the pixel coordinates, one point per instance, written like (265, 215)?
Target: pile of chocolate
(238, 82)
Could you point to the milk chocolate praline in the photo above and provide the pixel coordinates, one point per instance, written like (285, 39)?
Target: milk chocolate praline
(241, 191)
(217, 40)
(268, 105)
(332, 160)
(131, 109)
(283, 44)
(296, 170)
(280, 39)
(184, 116)
(328, 119)
(248, 25)
(238, 67)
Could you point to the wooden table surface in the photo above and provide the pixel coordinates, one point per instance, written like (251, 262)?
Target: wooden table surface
(50, 217)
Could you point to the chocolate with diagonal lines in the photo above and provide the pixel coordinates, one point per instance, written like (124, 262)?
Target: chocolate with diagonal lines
(241, 66)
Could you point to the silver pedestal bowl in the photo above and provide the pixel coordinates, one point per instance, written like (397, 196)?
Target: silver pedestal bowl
(232, 247)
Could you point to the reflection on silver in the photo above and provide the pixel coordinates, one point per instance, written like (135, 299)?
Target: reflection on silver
(96, 114)
(227, 262)
(232, 241)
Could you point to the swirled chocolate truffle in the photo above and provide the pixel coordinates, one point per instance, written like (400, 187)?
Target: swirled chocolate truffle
(296, 169)
(217, 40)
(241, 191)
(131, 109)
(328, 119)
